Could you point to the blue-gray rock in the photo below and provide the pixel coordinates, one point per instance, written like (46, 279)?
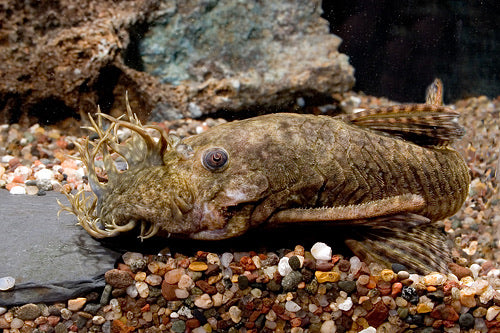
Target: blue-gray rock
(238, 55)
(51, 259)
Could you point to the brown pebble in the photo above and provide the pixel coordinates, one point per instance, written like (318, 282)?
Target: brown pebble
(459, 271)
(173, 276)
(203, 285)
(377, 315)
(344, 265)
(323, 265)
(168, 291)
(118, 278)
(192, 323)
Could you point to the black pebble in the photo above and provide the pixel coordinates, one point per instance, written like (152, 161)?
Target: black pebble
(466, 320)
(398, 267)
(242, 282)
(410, 294)
(294, 262)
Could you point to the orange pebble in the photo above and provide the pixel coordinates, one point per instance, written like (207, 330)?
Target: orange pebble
(371, 284)
(431, 289)
(396, 289)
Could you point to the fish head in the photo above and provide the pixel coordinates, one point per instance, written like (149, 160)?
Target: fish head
(195, 187)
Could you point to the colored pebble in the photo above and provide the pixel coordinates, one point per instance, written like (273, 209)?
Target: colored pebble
(323, 277)
(321, 251)
(198, 266)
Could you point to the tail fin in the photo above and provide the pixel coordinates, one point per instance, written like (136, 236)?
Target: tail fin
(424, 248)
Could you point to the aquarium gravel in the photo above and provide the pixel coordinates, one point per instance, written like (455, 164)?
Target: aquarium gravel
(280, 290)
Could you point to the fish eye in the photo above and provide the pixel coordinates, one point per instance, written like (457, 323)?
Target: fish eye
(215, 159)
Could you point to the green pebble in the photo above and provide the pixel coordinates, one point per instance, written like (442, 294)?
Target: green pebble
(196, 291)
(312, 287)
(347, 286)
(291, 281)
(178, 326)
(273, 286)
(403, 313)
(466, 320)
(242, 282)
(294, 262)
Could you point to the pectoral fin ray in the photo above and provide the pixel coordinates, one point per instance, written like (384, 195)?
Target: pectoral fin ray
(362, 214)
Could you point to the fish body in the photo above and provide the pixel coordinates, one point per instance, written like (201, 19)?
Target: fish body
(391, 177)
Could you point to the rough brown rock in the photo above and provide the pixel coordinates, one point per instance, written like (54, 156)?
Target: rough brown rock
(63, 58)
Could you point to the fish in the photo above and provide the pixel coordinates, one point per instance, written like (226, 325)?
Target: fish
(390, 173)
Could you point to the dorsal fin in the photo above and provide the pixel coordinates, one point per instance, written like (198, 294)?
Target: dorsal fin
(430, 124)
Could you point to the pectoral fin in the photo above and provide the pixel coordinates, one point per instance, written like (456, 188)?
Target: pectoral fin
(356, 214)
(423, 248)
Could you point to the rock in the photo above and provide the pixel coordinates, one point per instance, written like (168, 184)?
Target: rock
(328, 327)
(118, 278)
(284, 267)
(229, 56)
(235, 314)
(173, 276)
(377, 315)
(292, 306)
(294, 262)
(323, 277)
(459, 271)
(28, 312)
(7, 283)
(81, 260)
(346, 305)
(291, 281)
(203, 302)
(203, 285)
(321, 251)
(198, 266)
(76, 304)
(466, 320)
(168, 291)
(347, 286)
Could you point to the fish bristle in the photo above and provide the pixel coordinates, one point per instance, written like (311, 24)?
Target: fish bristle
(423, 249)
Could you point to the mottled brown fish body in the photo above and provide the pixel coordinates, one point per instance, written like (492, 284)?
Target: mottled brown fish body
(320, 161)
(390, 171)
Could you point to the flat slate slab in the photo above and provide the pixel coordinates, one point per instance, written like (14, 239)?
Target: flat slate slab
(51, 258)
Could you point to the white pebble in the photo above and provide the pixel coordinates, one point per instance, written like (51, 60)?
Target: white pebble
(131, 257)
(434, 279)
(355, 265)
(292, 306)
(142, 288)
(16, 323)
(23, 171)
(369, 329)
(199, 330)
(98, 320)
(44, 174)
(181, 293)
(321, 251)
(328, 327)
(492, 312)
(18, 190)
(132, 291)
(185, 311)
(7, 283)
(6, 158)
(475, 269)
(2, 310)
(313, 307)
(235, 314)
(269, 271)
(226, 259)
(284, 267)
(346, 305)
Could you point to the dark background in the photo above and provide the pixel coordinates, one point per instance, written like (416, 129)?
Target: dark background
(398, 47)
